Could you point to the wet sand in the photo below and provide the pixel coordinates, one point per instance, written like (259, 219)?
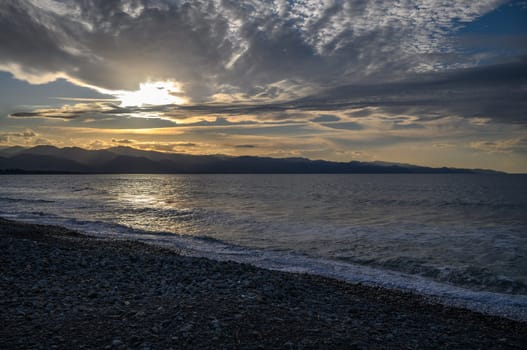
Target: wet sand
(63, 290)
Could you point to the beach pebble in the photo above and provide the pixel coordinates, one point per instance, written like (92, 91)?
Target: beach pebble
(153, 299)
(186, 328)
(216, 324)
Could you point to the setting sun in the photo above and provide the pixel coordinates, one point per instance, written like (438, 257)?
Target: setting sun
(151, 93)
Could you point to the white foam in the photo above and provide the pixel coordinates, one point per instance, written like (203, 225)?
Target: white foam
(505, 305)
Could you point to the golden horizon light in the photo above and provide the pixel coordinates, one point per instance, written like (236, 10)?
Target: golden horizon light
(152, 94)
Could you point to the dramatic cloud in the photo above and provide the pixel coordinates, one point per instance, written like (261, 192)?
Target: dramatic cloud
(124, 141)
(25, 136)
(501, 146)
(251, 49)
(432, 82)
(325, 118)
(497, 92)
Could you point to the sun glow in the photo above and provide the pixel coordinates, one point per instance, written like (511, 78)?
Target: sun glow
(152, 93)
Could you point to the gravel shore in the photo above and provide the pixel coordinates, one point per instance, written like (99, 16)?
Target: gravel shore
(62, 290)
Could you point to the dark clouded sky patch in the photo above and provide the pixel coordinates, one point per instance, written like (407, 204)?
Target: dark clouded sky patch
(344, 126)
(43, 115)
(350, 77)
(325, 118)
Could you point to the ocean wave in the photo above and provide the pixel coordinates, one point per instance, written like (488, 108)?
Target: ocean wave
(506, 305)
(24, 200)
(178, 214)
(471, 277)
(437, 203)
(82, 189)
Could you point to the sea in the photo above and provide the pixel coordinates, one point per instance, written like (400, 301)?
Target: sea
(459, 239)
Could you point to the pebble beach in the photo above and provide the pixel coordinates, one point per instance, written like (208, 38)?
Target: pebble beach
(60, 289)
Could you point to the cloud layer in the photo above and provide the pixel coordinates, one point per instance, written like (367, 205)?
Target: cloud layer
(247, 49)
(330, 79)
(497, 93)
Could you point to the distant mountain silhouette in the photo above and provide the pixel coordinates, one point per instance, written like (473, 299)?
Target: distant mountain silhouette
(50, 159)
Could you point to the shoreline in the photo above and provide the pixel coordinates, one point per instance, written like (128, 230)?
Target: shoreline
(511, 306)
(61, 288)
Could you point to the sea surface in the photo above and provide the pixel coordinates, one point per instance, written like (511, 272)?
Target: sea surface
(459, 238)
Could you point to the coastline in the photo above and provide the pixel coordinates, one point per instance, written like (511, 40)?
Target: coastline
(61, 288)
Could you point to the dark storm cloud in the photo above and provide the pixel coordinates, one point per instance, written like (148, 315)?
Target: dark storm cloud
(26, 115)
(28, 41)
(98, 43)
(260, 49)
(99, 110)
(43, 115)
(497, 92)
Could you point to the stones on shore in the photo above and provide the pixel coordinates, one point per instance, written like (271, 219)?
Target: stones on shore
(216, 325)
(64, 294)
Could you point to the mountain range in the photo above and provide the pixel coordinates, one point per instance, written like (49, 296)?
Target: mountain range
(50, 159)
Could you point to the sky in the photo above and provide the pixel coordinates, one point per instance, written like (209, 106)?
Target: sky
(427, 82)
